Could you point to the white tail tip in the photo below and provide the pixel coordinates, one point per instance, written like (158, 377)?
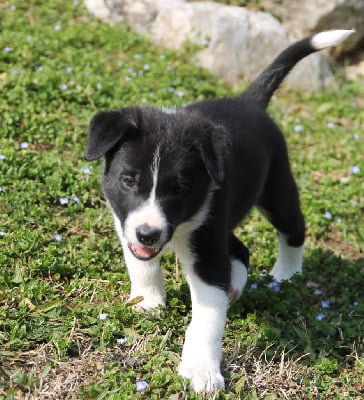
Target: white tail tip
(330, 38)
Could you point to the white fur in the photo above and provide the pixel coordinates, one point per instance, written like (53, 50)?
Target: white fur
(289, 260)
(149, 212)
(145, 276)
(169, 110)
(201, 355)
(330, 38)
(239, 276)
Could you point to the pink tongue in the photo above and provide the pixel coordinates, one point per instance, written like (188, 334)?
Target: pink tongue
(144, 252)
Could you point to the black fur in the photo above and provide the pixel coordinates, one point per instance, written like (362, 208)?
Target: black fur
(229, 147)
(186, 178)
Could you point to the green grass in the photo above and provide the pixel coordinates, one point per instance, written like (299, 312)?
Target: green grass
(58, 66)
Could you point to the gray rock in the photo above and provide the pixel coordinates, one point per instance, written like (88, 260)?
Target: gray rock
(235, 44)
(304, 17)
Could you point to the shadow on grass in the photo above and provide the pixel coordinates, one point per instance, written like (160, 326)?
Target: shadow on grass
(320, 312)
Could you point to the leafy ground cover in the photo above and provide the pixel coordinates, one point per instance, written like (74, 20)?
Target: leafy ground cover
(66, 330)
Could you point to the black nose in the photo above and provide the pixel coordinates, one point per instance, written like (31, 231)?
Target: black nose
(148, 235)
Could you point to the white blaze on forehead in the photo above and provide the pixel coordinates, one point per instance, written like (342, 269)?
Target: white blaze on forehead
(169, 110)
(149, 212)
(155, 171)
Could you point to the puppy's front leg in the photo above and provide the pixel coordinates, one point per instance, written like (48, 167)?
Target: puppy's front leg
(146, 280)
(201, 356)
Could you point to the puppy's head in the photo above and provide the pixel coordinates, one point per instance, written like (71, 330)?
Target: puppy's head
(159, 169)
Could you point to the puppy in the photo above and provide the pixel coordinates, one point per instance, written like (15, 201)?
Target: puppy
(183, 179)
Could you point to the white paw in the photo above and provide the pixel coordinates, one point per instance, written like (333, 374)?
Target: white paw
(281, 273)
(203, 378)
(289, 260)
(141, 303)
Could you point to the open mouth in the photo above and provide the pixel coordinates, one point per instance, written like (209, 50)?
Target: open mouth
(143, 252)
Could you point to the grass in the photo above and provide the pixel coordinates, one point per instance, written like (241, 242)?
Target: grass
(63, 285)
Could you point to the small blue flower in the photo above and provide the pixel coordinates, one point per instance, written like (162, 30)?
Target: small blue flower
(2, 189)
(169, 68)
(58, 237)
(63, 201)
(320, 317)
(317, 291)
(40, 69)
(325, 304)
(141, 385)
(254, 286)
(12, 8)
(7, 49)
(331, 125)
(2, 233)
(121, 341)
(69, 70)
(137, 56)
(120, 63)
(180, 93)
(146, 67)
(356, 303)
(276, 286)
(103, 316)
(64, 86)
(24, 145)
(57, 27)
(87, 73)
(15, 72)
(299, 128)
(356, 136)
(76, 199)
(86, 170)
(127, 79)
(355, 169)
(2, 157)
(328, 215)
(76, 3)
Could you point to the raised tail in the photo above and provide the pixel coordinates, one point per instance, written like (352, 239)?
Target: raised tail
(263, 87)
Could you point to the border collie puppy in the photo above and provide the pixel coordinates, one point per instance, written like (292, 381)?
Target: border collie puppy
(183, 179)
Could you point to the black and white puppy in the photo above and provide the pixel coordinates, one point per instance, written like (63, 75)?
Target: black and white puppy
(183, 179)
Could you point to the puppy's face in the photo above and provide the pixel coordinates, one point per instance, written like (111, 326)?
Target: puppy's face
(158, 171)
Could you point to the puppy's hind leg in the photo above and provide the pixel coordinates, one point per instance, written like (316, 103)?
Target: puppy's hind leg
(281, 205)
(289, 260)
(239, 268)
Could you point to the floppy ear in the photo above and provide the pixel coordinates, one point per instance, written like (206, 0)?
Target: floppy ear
(106, 129)
(214, 147)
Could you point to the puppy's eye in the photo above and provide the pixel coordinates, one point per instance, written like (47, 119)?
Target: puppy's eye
(128, 181)
(181, 187)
